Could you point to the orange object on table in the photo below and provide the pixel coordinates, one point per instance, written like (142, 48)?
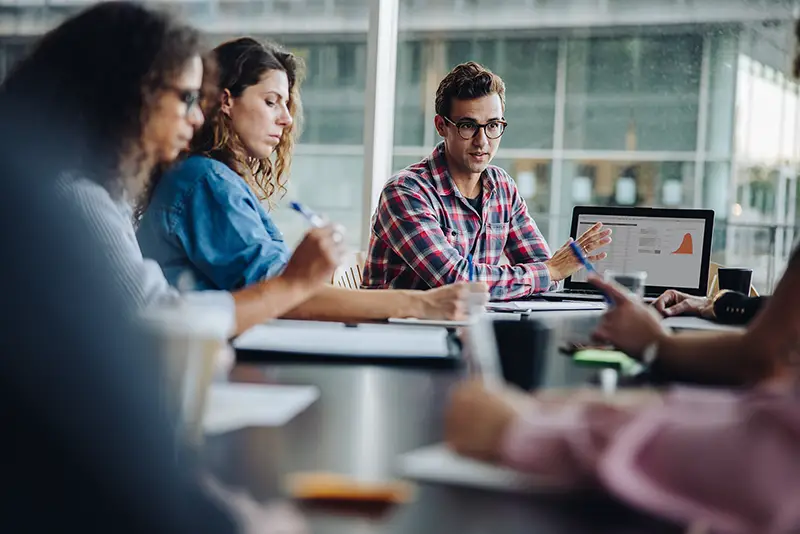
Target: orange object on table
(336, 487)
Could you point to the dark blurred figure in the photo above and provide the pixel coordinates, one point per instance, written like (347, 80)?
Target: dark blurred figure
(86, 444)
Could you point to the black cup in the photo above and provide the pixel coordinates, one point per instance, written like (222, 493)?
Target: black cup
(735, 279)
(522, 347)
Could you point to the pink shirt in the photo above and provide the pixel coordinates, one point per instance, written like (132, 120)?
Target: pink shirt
(731, 461)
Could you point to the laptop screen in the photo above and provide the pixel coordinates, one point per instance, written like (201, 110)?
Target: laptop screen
(672, 246)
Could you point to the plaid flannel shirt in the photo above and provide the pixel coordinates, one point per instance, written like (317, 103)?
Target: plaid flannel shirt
(424, 229)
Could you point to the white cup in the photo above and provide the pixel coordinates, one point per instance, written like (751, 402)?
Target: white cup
(192, 337)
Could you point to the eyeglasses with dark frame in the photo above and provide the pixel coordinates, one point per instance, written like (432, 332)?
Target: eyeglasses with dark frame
(468, 129)
(190, 97)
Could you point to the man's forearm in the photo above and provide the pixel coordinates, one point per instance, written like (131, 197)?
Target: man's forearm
(711, 357)
(338, 304)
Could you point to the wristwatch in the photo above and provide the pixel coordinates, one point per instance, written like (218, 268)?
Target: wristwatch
(713, 301)
(649, 354)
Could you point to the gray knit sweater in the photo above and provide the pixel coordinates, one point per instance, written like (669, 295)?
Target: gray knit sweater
(140, 279)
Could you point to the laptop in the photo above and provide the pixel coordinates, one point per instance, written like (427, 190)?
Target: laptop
(673, 246)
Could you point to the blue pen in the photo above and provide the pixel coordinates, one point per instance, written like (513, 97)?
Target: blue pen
(581, 258)
(471, 268)
(313, 219)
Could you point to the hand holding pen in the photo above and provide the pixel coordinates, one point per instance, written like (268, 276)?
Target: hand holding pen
(585, 262)
(313, 219)
(319, 253)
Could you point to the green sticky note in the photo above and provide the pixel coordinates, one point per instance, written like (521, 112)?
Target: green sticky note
(607, 358)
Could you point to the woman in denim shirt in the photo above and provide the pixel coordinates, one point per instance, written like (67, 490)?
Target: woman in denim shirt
(205, 216)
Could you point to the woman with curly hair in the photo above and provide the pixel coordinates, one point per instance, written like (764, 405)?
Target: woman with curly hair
(128, 107)
(205, 216)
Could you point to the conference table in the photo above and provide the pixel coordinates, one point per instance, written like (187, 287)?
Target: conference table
(368, 415)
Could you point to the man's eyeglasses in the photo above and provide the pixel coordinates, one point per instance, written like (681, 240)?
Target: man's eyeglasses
(469, 129)
(190, 97)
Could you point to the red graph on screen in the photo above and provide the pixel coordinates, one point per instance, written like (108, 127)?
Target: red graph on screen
(686, 247)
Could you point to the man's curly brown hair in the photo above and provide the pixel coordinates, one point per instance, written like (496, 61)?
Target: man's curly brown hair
(466, 82)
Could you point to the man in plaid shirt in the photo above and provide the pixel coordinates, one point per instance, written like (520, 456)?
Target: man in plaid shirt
(435, 214)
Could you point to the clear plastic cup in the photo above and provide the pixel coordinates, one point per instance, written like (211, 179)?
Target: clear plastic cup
(633, 281)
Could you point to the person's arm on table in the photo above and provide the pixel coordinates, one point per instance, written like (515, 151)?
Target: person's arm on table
(338, 304)
(644, 448)
(758, 353)
(532, 432)
(728, 307)
(310, 267)
(702, 356)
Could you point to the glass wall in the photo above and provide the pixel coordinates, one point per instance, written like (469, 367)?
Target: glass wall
(642, 114)
(620, 128)
(633, 93)
(621, 118)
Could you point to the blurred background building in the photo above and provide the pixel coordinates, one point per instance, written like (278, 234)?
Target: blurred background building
(684, 103)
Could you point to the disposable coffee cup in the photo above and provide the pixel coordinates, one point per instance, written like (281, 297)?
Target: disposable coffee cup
(192, 338)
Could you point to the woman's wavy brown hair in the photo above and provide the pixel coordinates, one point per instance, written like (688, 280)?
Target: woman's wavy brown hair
(240, 64)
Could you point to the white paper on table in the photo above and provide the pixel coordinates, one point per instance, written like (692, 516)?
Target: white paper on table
(437, 463)
(544, 305)
(232, 406)
(318, 337)
(698, 323)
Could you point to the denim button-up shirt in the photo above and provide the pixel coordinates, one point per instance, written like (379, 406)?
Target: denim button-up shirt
(204, 219)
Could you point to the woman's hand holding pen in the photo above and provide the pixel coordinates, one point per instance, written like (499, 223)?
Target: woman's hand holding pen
(316, 257)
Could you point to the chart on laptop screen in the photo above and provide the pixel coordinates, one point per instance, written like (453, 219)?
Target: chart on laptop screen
(669, 250)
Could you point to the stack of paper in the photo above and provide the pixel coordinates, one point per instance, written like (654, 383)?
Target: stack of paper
(233, 406)
(437, 463)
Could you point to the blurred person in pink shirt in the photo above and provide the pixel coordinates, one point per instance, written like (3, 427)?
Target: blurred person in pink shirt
(729, 459)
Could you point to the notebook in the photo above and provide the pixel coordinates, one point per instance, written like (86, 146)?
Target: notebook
(319, 342)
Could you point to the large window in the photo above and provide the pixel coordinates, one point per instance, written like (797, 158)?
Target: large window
(409, 121)
(333, 92)
(528, 67)
(614, 102)
(626, 183)
(327, 172)
(633, 93)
